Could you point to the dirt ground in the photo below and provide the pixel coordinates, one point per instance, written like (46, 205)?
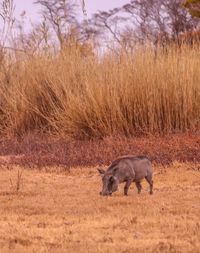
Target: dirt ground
(59, 211)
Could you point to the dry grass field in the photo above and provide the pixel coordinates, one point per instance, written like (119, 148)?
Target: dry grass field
(63, 112)
(90, 98)
(59, 211)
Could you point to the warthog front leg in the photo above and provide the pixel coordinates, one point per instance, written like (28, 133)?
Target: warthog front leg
(139, 187)
(151, 187)
(126, 187)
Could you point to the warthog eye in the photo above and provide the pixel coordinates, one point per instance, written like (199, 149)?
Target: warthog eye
(110, 184)
(111, 179)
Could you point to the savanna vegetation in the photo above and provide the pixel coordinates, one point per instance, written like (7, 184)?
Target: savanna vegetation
(146, 85)
(75, 93)
(81, 97)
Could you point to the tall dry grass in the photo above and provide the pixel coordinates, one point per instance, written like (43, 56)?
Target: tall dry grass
(88, 97)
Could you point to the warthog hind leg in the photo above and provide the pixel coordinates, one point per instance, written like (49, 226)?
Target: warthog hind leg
(139, 187)
(126, 187)
(150, 181)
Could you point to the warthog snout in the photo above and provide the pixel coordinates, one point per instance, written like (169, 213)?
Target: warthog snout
(110, 183)
(105, 193)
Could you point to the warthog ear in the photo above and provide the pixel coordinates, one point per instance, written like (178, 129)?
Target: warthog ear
(114, 170)
(101, 171)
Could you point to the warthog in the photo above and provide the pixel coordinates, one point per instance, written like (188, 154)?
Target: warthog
(126, 169)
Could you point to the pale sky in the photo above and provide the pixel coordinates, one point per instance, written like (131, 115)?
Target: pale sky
(32, 11)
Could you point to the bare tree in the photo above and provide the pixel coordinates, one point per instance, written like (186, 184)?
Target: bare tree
(159, 19)
(60, 15)
(106, 26)
(139, 21)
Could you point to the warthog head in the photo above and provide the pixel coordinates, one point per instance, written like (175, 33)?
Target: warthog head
(110, 183)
